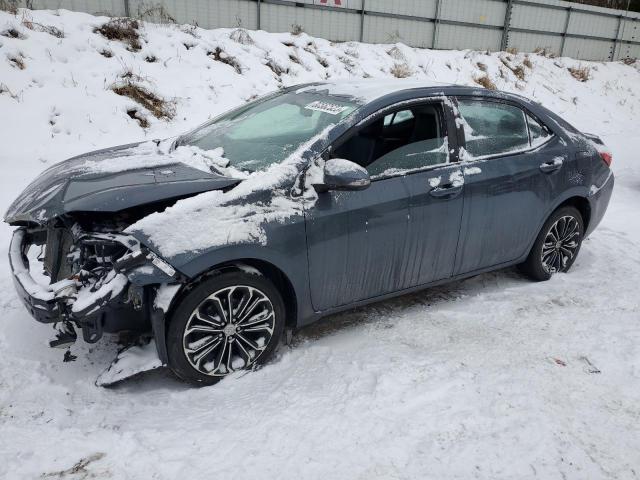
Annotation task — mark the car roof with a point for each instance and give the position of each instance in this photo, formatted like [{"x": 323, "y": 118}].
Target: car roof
[{"x": 365, "y": 91}]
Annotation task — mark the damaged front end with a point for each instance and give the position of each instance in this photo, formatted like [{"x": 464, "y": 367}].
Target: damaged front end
[{"x": 95, "y": 281}]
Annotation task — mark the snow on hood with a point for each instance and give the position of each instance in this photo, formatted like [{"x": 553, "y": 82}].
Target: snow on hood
[
  {"x": 155, "y": 154},
  {"x": 99, "y": 181},
  {"x": 237, "y": 216}
]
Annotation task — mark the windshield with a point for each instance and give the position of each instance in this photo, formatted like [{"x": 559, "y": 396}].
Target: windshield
[{"x": 268, "y": 131}]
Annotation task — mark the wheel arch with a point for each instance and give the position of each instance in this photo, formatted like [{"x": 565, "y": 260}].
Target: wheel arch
[
  {"x": 581, "y": 204},
  {"x": 250, "y": 265},
  {"x": 574, "y": 199}
]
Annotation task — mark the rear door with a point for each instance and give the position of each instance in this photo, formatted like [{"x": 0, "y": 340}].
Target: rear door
[{"x": 510, "y": 168}]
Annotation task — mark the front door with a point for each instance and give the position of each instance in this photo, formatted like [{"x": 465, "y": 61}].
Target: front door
[{"x": 400, "y": 232}]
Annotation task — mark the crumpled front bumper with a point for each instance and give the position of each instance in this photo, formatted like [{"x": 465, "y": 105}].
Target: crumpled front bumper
[
  {"x": 63, "y": 300},
  {"x": 40, "y": 301}
]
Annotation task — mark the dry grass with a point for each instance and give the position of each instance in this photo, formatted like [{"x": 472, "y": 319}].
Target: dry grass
[
  {"x": 4, "y": 89},
  {"x": 396, "y": 54},
  {"x": 348, "y": 63},
  {"x": 629, "y": 61},
  {"x": 401, "y": 70},
  {"x": 241, "y": 36},
  {"x": 106, "y": 53},
  {"x": 313, "y": 50},
  {"x": 156, "y": 13},
  {"x": 28, "y": 22},
  {"x": 9, "y": 6},
  {"x": 545, "y": 52},
  {"x": 130, "y": 86},
  {"x": 13, "y": 33},
  {"x": 481, "y": 66},
  {"x": 527, "y": 63},
  {"x": 150, "y": 59},
  {"x": 512, "y": 50},
  {"x": 138, "y": 117},
  {"x": 582, "y": 74},
  {"x": 275, "y": 68},
  {"x": 190, "y": 30},
  {"x": 79, "y": 469},
  {"x": 518, "y": 70},
  {"x": 486, "y": 82},
  {"x": 220, "y": 55},
  {"x": 38, "y": 27},
  {"x": 294, "y": 59},
  {"x": 122, "y": 29},
  {"x": 297, "y": 29},
  {"x": 17, "y": 61}
]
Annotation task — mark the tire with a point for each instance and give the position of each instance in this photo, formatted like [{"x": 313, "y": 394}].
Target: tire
[
  {"x": 565, "y": 223},
  {"x": 206, "y": 347}
]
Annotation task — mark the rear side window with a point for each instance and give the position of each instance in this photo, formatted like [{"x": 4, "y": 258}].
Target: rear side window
[
  {"x": 492, "y": 128},
  {"x": 538, "y": 132}
]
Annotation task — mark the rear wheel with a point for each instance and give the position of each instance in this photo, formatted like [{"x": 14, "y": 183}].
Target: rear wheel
[
  {"x": 557, "y": 245},
  {"x": 229, "y": 322}
]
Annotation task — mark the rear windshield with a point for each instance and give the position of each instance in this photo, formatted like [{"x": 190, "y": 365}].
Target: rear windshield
[{"x": 265, "y": 132}]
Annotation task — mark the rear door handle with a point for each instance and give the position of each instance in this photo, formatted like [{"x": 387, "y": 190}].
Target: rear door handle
[
  {"x": 449, "y": 191},
  {"x": 552, "y": 166}
]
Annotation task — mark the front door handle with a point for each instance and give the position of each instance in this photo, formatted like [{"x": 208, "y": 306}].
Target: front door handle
[
  {"x": 552, "y": 166},
  {"x": 448, "y": 191}
]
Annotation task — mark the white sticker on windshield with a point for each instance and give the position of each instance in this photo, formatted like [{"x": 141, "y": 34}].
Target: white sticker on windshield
[{"x": 326, "y": 107}]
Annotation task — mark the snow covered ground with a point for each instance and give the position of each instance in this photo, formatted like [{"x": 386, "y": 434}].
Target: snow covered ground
[{"x": 493, "y": 377}]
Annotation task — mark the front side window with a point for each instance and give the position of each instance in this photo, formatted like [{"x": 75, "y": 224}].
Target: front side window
[
  {"x": 492, "y": 128},
  {"x": 403, "y": 141},
  {"x": 268, "y": 131}
]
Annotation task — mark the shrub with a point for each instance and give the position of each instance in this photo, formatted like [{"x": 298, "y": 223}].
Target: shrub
[
  {"x": 582, "y": 74},
  {"x": 240, "y": 35},
  {"x": 220, "y": 55},
  {"x": 122, "y": 29},
  {"x": 130, "y": 86},
  {"x": 486, "y": 82},
  {"x": 17, "y": 61},
  {"x": 401, "y": 70},
  {"x": 13, "y": 33}
]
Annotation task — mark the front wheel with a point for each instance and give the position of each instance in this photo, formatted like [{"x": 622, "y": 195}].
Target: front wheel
[
  {"x": 557, "y": 245},
  {"x": 232, "y": 321}
]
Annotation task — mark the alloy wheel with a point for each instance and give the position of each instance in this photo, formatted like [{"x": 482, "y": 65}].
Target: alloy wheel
[
  {"x": 560, "y": 244},
  {"x": 229, "y": 330}
]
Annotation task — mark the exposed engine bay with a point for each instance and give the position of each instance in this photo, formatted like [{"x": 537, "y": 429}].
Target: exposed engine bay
[{"x": 77, "y": 273}]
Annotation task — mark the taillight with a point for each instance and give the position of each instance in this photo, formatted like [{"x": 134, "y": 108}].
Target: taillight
[{"x": 606, "y": 157}]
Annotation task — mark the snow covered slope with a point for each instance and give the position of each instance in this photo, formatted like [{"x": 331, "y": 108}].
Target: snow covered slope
[{"x": 493, "y": 377}]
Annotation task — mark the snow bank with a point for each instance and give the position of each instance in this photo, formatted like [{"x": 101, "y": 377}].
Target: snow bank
[
  {"x": 489, "y": 378},
  {"x": 62, "y": 102}
]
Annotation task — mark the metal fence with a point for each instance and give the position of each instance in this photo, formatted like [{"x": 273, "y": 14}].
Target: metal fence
[{"x": 562, "y": 28}]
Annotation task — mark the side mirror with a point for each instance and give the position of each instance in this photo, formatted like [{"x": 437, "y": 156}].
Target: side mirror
[{"x": 340, "y": 174}]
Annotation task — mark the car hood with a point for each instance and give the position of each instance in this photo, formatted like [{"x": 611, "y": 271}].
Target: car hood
[{"x": 111, "y": 180}]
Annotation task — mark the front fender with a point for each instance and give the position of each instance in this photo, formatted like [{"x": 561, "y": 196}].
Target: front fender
[{"x": 285, "y": 249}]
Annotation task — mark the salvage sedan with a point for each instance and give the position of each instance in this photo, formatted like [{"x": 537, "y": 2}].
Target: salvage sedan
[{"x": 308, "y": 201}]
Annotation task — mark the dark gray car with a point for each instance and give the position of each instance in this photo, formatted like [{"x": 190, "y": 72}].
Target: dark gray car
[{"x": 315, "y": 199}]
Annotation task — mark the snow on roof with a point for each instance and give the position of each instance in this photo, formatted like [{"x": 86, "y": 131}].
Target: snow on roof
[{"x": 368, "y": 90}]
